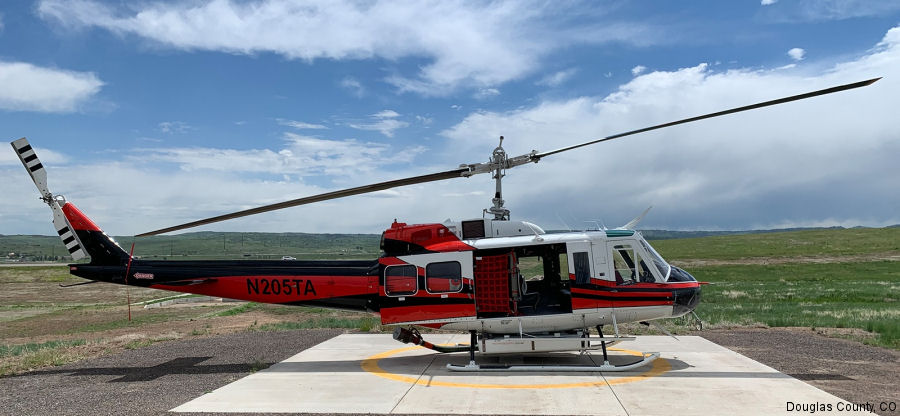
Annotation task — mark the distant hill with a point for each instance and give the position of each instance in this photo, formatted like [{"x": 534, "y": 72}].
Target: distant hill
[
  {"x": 235, "y": 245},
  {"x": 210, "y": 245},
  {"x": 667, "y": 234}
]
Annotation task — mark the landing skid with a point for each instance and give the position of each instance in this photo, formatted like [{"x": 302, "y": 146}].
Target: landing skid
[
  {"x": 606, "y": 366},
  {"x": 508, "y": 345}
]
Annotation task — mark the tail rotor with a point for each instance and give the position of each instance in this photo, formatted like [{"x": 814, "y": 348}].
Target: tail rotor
[{"x": 56, "y": 202}]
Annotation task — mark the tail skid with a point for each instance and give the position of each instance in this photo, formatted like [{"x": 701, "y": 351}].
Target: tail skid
[{"x": 79, "y": 234}]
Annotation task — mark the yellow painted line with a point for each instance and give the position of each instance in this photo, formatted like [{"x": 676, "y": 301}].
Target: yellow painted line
[{"x": 370, "y": 364}]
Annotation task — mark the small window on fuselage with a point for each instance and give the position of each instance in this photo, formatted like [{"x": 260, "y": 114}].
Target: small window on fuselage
[
  {"x": 443, "y": 277},
  {"x": 582, "y": 267},
  {"x": 401, "y": 280}
]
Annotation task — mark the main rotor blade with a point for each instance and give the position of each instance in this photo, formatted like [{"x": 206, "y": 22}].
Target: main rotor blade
[
  {"x": 472, "y": 169},
  {"x": 455, "y": 173},
  {"x": 851, "y": 86}
]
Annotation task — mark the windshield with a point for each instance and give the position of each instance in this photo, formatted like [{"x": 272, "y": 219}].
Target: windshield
[{"x": 661, "y": 264}]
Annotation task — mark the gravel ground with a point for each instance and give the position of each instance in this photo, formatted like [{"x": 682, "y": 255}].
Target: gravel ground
[
  {"x": 154, "y": 379},
  {"x": 850, "y": 370}
]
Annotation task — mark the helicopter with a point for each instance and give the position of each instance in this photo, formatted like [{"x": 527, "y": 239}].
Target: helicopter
[{"x": 514, "y": 287}]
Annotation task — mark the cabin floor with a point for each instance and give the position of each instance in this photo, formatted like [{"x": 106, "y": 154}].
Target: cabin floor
[{"x": 694, "y": 376}]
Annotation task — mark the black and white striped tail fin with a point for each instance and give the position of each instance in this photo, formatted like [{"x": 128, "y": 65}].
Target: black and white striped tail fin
[{"x": 39, "y": 175}]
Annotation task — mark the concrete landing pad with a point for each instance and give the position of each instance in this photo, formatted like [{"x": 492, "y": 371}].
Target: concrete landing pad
[{"x": 364, "y": 373}]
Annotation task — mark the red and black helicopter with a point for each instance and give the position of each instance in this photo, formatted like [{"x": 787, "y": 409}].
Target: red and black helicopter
[{"x": 514, "y": 287}]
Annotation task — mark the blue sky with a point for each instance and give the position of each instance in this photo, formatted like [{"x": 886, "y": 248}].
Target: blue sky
[{"x": 151, "y": 113}]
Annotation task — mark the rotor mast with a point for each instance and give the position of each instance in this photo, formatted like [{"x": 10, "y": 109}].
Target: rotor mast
[
  {"x": 497, "y": 165},
  {"x": 498, "y": 158}
]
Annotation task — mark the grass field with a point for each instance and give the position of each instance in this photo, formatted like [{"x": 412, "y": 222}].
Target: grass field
[
  {"x": 42, "y": 324},
  {"x": 815, "y": 278},
  {"x": 821, "y": 279},
  {"x": 777, "y": 245},
  {"x": 834, "y": 295}
]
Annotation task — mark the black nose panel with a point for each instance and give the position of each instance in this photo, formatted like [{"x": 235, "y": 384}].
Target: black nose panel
[{"x": 685, "y": 300}]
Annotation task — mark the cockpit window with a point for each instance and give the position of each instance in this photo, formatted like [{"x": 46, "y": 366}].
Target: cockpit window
[
  {"x": 661, "y": 264},
  {"x": 624, "y": 265},
  {"x": 630, "y": 267}
]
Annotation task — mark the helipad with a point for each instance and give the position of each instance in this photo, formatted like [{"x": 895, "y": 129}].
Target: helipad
[{"x": 375, "y": 374}]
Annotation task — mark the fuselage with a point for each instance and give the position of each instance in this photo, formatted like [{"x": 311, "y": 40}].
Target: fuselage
[{"x": 492, "y": 277}]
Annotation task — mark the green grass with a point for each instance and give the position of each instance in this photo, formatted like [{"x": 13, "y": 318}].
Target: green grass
[
  {"x": 37, "y": 274},
  {"x": 138, "y": 319},
  {"x": 831, "y": 242},
  {"x": 247, "y": 307},
  {"x": 363, "y": 324},
  {"x": 836, "y": 295},
  {"x": 20, "y": 349}
]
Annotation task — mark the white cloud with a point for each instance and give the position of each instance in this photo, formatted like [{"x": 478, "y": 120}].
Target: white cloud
[
  {"x": 386, "y": 114},
  {"x": 768, "y": 2},
  {"x": 172, "y": 127},
  {"x": 557, "y": 78},
  {"x": 301, "y": 155},
  {"x": 384, "y": 121},
  {"x": 27, "y": 87},
  {"x": 465, "y": 45},
  {"x": 824, "y": 10},
  {"x": 638, "y": 70},
  {"x": 300, "y": 125},
  {"x": 212, "y": 181},
  {"x": 823, "y": 160},
  {"x": 486, "y": 93},
  {"x": 796, "y": 54},
  {"x": 354, "y": 86}
]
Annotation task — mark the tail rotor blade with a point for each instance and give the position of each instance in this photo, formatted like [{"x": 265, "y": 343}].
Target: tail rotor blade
[
  {"x": 66, "y": 233},
  {"x": 32, "y": 165}
]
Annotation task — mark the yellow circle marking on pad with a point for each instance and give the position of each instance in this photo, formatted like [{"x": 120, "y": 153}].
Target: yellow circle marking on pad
[{"x": 659, "y": 366}]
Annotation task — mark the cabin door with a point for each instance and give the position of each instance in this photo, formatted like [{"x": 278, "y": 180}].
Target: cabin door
[{"x": 492, "y": 283}]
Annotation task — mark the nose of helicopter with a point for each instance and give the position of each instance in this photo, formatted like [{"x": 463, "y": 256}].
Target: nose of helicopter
[{"x": 685, "y": 299}]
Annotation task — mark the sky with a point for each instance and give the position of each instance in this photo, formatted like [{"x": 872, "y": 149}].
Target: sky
[{"x": 148, "y": 114}]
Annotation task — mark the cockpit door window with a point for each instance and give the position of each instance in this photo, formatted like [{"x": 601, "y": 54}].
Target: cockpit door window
[{"x": 629, "y": 265}]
